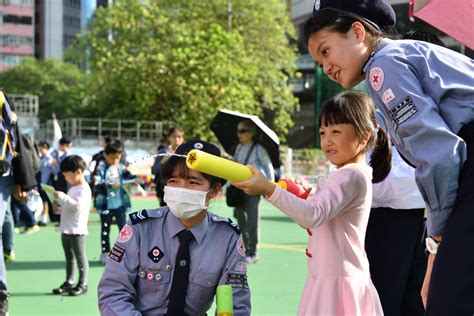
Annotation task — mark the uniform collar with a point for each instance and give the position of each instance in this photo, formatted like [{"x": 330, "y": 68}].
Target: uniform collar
[
  {"x": 381, "y": 44},
  {"x": 198, "y": 231}
]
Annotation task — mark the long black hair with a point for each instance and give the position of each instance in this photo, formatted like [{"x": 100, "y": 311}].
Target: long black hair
[{"x": 358, "y": 109}]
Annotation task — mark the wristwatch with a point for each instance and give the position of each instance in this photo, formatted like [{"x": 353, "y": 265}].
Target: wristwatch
[{"x": 431, "y": 245}]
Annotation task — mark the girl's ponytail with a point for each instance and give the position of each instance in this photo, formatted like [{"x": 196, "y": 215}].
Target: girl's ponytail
[{"x": 381, "y": 157}]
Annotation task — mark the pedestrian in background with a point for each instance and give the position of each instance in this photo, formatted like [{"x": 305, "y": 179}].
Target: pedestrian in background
[
  {"x": 111, "y": 198},
  {"x": 74, "y": 208},
  {"x": 250, "y": 152},
  {"x": 175, "y": 137}
]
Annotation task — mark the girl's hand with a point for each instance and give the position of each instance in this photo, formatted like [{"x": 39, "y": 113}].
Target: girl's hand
[{"x": 256, "y": 185}]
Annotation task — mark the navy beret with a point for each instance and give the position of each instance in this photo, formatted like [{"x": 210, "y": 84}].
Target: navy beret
[
  {"x": 201, "y": 145},
  {"x": 377, "y": 12}
]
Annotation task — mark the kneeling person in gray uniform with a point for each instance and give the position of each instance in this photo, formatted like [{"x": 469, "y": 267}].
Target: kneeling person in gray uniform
[{"x": 169, "y": 261}]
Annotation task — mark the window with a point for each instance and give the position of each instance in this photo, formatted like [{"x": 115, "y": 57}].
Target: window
[
  {"x": 10, "y": 59},
  {"x": 15, "y": 19},
  {"x": 14, "y": 40}
]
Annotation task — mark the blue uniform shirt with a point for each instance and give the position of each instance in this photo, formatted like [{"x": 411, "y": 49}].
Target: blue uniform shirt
[
  {"x": 139, "y": 271},
  {"x": 425, "y": 93}
]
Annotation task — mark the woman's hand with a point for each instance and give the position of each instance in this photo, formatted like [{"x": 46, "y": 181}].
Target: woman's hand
[
  {"x": 426, "y": 281},
  {"x": 256, "y": 185}
]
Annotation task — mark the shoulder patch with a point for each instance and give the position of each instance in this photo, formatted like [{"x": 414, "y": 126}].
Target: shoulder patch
[
  {"x": 376, "y": 77},
  {"x": 138, "y": 217},
  {"x": 226, "y": 220},
  {"x": 143, "y": 215},
  {"x": 234, "y": 226}
]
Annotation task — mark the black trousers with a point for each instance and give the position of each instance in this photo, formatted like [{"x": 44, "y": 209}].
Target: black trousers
[
  {"x": 451, "y": 289},
  {"x": 395, "y": 248}
]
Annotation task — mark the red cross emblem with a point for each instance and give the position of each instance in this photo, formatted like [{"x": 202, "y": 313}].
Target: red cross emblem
[
  {"x": 125, "y": 234},
  {"x": 376, "y": 78}
]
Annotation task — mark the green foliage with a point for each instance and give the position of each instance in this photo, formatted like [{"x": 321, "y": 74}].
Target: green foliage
[
  {"x": 178, "y": 61},
  {"x": 60, "y": 86}
]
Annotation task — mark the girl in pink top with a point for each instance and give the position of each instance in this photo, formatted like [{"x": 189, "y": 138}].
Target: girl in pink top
[{"x": 336, "y": 216}]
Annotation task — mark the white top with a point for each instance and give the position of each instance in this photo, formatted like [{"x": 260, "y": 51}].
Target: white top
[
  {"x": 398, "y": 190},
  {"x": 336, "y": 217},
  {"x": 75, "y": 208}
]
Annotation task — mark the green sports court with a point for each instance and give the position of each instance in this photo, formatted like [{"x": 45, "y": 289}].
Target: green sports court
[{"x": 276, "y": 281}]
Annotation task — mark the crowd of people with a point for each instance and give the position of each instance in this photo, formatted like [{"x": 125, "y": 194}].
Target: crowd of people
[{"x": 401, "y": 152}]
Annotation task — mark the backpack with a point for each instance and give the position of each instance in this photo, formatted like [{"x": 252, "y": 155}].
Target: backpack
[{"x": 7, "y": 135}]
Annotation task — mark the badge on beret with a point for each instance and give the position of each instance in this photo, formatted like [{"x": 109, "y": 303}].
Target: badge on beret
[
  {"x": 198, "y": 146},
  {"x": 125, "y": 234},
  {"x": 317, "y": 5},
  {"x": 155, "y": 254},
  {"x": 376, "y": 77}
]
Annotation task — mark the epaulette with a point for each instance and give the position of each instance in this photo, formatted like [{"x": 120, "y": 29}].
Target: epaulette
[
  {"x": 143, "y": 215},
  {"x": 228, "y": 221}
]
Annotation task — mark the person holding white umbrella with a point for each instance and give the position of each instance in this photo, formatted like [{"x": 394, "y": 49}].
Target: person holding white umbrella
[{"x": 249, "y": 152}]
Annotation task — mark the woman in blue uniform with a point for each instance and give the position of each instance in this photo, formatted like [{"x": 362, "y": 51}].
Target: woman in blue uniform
[
  {"x": 170, "y": 260},
  {"x": 426, "y": 95}
]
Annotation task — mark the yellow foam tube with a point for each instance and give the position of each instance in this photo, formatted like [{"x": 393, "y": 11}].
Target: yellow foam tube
[
  {"x": 222, "y": 168},
  {"x": 217, "y": 166}
]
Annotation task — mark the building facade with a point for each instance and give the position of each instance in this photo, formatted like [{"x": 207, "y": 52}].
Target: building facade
[
  {"x": 58, "y": 23},
  {"x": 16, "y": 31}
]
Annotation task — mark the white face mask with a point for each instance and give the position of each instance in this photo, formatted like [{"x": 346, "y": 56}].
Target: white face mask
[{"x": 185, "y": 203}]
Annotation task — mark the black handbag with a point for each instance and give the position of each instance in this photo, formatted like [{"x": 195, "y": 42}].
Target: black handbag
[{"x": 234, "y": 196}]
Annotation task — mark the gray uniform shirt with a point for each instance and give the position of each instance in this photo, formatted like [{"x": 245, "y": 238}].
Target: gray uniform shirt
[
  {"x": 425, "y": 93},
  {"x": 139, "y": 271}
]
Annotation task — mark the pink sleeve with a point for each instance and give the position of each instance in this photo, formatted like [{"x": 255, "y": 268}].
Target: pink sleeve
[{"x": 342, "y": 187}]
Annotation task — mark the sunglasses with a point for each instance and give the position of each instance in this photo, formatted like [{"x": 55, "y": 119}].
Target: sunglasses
[{"x": 242, "y": 131}]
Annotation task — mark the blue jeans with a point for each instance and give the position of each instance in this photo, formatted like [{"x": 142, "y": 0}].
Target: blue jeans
[
  {"x": 8, "y": 233},
  {"x": 6, "y": 188},
  {"x": 21, "y": 211}
]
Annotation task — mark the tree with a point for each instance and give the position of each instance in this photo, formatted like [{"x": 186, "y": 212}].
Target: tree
[
  {"x": 178, "y": 61},
  {"x": 60, "y": 86}
]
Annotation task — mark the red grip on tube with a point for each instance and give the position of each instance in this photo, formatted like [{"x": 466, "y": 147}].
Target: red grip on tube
[{"x": 294, "y": 188}]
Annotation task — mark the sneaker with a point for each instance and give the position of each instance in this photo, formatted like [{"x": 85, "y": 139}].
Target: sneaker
[
  {"x": 31, "y": 230},
  {"x": 103, "y": 257},
  {"x": 78, "y": 290},
  {"x": 42, "y": 224},
  {"x": 65, "y": 287},
  {"x": 252, "y": 259},
  {"x": 9, "y": 256},
  {"x": 17, "y": 230},
  {"x": 4, "y": 302}
]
